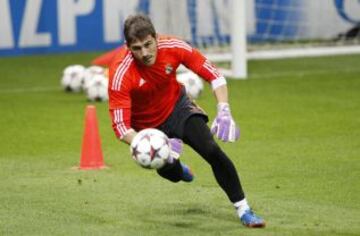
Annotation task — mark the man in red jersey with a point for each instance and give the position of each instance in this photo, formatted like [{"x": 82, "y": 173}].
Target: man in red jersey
[{"x": 144, "y": 93}]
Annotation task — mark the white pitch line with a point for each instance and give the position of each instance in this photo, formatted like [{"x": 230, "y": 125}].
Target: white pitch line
[
  {"x": 263, "y": 75},
  {"x": 297, "y": 73},
  {"x": 300, "y": 74},
  {"x": 29, "y": 90}
]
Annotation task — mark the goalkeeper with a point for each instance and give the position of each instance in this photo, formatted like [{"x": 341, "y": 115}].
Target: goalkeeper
[{"x": 144, "y": 93}]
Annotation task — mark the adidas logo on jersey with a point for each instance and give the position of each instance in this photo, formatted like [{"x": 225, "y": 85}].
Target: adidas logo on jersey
[{"x": 141, "y": 82}]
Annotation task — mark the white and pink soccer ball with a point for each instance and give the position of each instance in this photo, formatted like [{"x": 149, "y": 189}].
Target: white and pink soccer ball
[
  {"x": 97, "y": 88},
  {"x": 192, "y": 82},
  {"x": 89, "y": 73},
  {"x": 150, "y": 148},
  {"x": 72, "y": 78}
]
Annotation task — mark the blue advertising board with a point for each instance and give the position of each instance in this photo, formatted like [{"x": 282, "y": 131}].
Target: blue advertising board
[
  {"x": 49, "y": 26},
  {"x": 53, "y": 26}
]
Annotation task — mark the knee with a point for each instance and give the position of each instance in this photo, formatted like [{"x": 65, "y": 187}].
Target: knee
[{"x": 213, "y": 152}]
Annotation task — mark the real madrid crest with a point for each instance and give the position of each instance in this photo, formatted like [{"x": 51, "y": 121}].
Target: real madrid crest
[{"x": 168, "y": 69}]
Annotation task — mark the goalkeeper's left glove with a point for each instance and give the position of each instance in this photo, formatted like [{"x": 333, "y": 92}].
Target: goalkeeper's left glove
[{"x": 224, "y": 126}]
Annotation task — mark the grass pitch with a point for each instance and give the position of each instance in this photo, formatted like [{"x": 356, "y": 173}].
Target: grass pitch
[{"x": 298, "y": 157}]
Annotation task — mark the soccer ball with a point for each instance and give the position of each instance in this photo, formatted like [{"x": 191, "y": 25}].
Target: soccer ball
[
  {"x": 150, "y": 148},
  {"x": 89, "y": 74},
  {"x": 72, "y": 78},
  {"x": 97, "y": 88},
  {"x": 193, "y": 84}
]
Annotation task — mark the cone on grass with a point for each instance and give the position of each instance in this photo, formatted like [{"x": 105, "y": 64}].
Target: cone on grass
[{"x": 91, "y": 153}]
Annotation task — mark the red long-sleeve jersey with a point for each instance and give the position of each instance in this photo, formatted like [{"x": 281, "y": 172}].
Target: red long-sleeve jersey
[{"x": 144, "y": 96}]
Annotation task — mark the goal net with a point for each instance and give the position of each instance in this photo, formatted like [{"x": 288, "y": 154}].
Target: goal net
[{"x": 239, "y": 30}]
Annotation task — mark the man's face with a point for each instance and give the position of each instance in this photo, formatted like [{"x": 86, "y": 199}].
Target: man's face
[{"x": 144, "y": 51}]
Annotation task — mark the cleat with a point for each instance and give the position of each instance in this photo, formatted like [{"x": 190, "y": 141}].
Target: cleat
[
  {"x": 187, "y": 175},
  {"x": 251, "y": 220}
]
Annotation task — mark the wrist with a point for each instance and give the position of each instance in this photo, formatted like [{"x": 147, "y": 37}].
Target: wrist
[{"x": 223, "y": 107}]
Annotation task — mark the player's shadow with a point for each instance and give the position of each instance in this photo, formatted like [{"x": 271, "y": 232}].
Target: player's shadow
[{"x": 195, "y": 217}]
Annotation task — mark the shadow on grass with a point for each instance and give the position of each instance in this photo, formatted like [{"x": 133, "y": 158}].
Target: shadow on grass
[{"x": 195, "y": 218}]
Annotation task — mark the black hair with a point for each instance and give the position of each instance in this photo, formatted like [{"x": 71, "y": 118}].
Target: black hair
[{"x": 137, "y": 27}]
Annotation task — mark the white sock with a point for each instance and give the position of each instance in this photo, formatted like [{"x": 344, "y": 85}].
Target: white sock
[{"x": 241, "y": 207}]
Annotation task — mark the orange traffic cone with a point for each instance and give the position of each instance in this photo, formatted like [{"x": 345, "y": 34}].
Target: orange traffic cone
[{"x": 91, "y": 154}]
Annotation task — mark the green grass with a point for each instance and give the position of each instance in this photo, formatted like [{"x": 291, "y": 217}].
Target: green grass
[{"x": 298, "y": 157}]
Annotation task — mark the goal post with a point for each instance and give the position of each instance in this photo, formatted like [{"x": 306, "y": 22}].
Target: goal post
[
  {"x": 238, "y": 40},
  {"x": 235, "y": 31},
  {"x": 289, "y": 29}
]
